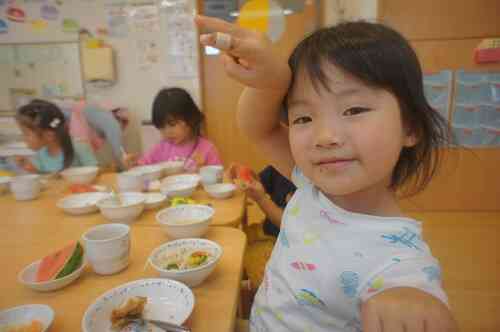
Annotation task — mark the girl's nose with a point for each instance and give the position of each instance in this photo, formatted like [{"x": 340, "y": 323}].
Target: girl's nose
[{"x": 329, "y": 133}]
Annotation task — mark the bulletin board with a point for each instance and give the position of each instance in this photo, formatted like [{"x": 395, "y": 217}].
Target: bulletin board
[
  {"x": 154, "y": 43},
  {"x": 41, "y": 70}
]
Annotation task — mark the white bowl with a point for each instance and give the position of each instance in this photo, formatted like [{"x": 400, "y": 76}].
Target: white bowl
[
  {"x": 211, "y": 174},
  {"x": 180, "y": 248},
  {"x": 26, "y": 187},
  {"x": 25, "y": 314},
  {"x": 172, "y": 167},
  {"x": 130, "y": 181},
  {"x": 168, "y": 300},
  {"x": 124, "y": 208},
  {"x": 81, "y": 203},
  {"x": 4, "y": 183},
  {"x": 27, "y": 277},
  {"x": 154, "y": 200},
  {"x": 179, "y": 185},
  {"x": 220, "y": 190},
  {"x": 185, "y": 221},
  {"x": 148, "y": 172},
  {"x": 182, "y": 178},
  {"x": 180, "y": 189},
  {"x": 80, "y": 175}
]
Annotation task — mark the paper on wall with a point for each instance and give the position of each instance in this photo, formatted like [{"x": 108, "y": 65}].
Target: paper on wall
[
  {"x": 145, "y": 19},
  {"x": 148, "y": 53}
]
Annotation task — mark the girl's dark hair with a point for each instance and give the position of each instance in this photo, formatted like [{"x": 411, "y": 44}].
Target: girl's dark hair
[
  {"x": 40, "y": 115},
  {"x": 173, "y": 104},
  {"x": 382, "y": 58}
]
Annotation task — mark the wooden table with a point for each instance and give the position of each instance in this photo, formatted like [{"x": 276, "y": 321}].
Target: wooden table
[
  {"x": 228, "y": 212},
  {"x": 467, "y": 245},
  {"x": 33, "y": 229}
]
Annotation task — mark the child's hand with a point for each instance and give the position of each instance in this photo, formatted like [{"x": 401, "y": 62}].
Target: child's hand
[
  {"x": 406, "y": 309},
  {"x": 197, "y": 157},
  {"x": 232, "y": 172},
  {"x": 255, "y": 190},
  {"x": 248, "y": 55},
  {"x": 129, "y": 160},
  {"x": 25, "y": 164}
]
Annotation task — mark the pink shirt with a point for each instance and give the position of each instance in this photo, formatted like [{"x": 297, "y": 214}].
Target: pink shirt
[{"x": 166, "y": 151}]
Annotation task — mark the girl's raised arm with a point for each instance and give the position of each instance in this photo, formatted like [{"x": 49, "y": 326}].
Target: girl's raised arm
[{"x": 248, "y": 58}]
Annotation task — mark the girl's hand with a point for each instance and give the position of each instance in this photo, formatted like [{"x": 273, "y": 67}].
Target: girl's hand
[
  {"x": 197, "y": 157},
  {"x": 129, "y": 160},
  {"x": 248, "y": 56},
  {"x": 232, "y": 172},
  {"x": 406, "y": 310},
  {"x": 254, "y": 190},
  {"x": 25, "y": 164}
]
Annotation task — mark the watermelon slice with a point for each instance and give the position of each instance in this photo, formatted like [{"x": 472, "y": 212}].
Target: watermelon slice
[
  {"x": 245, "y": 174},
  {"x": 60, "y": 263}
]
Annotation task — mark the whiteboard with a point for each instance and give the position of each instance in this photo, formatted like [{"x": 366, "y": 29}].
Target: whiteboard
[{"x": 45, "y": 70}]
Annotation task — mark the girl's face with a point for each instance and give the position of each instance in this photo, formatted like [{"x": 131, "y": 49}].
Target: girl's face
[
  {"x": 177, "y": 132},
  {"x": 347, "y": 140},
  {"x": 33, "y": 139}
]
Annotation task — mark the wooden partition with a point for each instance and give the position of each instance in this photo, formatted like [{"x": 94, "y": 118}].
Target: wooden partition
[{"x": 444, "y": 34}]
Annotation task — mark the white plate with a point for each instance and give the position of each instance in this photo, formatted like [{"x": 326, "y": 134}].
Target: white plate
[
  {"x": 168, "y": 300},
  {"x": 84, "y": 203},
  {"x": 26, "y": 313}
]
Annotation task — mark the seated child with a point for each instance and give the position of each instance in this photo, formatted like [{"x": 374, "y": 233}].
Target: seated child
[
  {"x": 271, "y": 191},
  {"x": 44, "y": 130},
  {"x": 179, "y": 121}
]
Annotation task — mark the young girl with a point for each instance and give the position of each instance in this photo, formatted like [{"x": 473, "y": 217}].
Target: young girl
[
  {"x": 179, "y": 121},
  {"x": 359, "y": 128},
  {"x": 44, "y": 130}
]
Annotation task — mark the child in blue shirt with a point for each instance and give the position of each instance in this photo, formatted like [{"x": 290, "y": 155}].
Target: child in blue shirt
[{"x": 44, "y": 130}]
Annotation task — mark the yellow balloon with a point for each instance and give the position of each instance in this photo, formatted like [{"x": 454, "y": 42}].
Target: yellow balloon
[{"x": 255, "y": 15}]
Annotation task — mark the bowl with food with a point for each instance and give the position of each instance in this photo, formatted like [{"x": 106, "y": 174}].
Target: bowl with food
[
  {"x": 122, "y": 207},
  {"x": 186, "y": 220},
  {"x": 80, "y": 175},
  {"x": 189, "y": 261},
  {"x": 121, "y": 308},
  {"x": 30, "y": 317},
  {"x": 56, "y": 270}
]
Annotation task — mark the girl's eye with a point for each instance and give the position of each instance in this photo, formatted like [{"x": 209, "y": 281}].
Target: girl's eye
[
  {"x": 301, "y": 120},
  {"x": 355, "y": 110}
]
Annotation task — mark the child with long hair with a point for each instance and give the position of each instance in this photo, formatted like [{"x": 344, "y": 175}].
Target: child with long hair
[
  {"x": 44, "y": 130},
  {"x": 357, "y": 129},
  {"x": 179, "y": 121}
]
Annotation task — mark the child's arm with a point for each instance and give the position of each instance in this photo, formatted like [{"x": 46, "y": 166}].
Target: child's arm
[
  {"x": 406, "y": 309},
  {"x": 405, "y": 293},
  {"x": 252, "y": 62},
  {"x": 273, "y": 212}
]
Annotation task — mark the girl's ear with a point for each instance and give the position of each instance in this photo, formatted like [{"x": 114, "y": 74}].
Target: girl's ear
[{"x": 411, "y": 138}]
